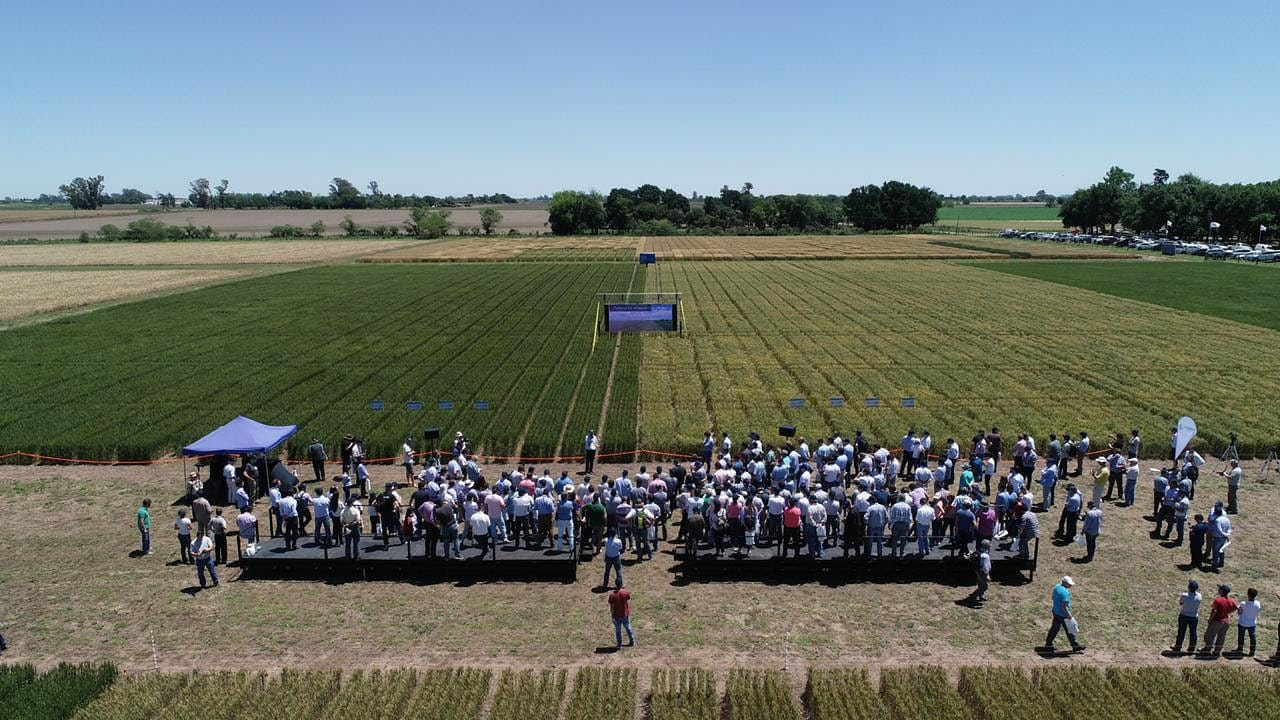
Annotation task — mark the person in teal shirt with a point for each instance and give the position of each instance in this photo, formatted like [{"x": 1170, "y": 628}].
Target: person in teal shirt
[
  {"x": 144, "y": 525},
  {"x": 1062, "y": 614}
]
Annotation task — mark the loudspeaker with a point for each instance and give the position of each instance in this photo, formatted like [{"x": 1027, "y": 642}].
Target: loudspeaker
[
  {"x": 787, "y": 430},
  {"x": 431, "y": 433}
]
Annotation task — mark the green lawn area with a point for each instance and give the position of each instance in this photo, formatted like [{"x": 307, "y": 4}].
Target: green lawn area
[
  {"x": 1235, "y": 291},
  {"x": 1026, "y": 211}
]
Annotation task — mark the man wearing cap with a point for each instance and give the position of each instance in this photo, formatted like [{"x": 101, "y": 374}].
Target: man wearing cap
[
  {"x": 315, "y": 451},
  {"x": 1188, "y": 617},
  {"x": 1061, "y": 614},
  {"x": 1219, "y": 621}
]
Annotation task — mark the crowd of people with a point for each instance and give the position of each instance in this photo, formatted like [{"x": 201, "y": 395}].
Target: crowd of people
[{"x": 846, "y": 496}]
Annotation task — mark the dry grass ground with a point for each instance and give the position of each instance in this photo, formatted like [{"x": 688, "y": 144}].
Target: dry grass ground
[
  {"x": 21, "y": 215},
  {"x": 221, "y": 252},
  {"x": 43, "y": 291},
  {"x": 72, "y": 591},
  {"x": 525, "y": 219}
]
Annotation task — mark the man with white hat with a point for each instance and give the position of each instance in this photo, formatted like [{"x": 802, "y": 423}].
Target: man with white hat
[{"x": 1062, "y": 617}]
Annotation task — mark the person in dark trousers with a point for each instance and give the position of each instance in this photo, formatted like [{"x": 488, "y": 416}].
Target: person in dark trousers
[
  {"x": 347, "y": 451},
  {"x": 144, "y": 525},
  {"x": 590, "y": 445},
  {"x": 982, "y": 570},
  {"x": 315, "y": 451},
  {"x": 389, "y": 514},
  {"x": 1188, "y": 617},
  {"x": 1199, "y": 536},
  {"x": 219, "y": 527},
  {"x": 1061, "y": 615}
]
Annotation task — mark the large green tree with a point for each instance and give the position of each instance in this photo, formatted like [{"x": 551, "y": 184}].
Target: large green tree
[
  {"x": 201, "y": 195},
  {"x": 84, "y": 193},
  {"x": 572, "y": 212},
  {"x": 343, "y": 194}
]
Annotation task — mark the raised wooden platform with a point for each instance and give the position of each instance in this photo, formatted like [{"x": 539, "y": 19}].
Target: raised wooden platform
[{"x": 409, "y": 560}]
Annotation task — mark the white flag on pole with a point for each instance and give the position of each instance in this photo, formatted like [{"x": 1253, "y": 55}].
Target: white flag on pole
[
  {"x": 1168, "y": 223},
  {"x": 1214, "y": 225},
  {"x": 1262, "y": 228},
  {"x": 1186, "y": 431}
]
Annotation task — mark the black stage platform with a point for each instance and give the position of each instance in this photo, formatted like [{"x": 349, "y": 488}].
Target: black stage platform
[
  {"x": 764, "y": 561},
  {"x": 407, "y": 561}
]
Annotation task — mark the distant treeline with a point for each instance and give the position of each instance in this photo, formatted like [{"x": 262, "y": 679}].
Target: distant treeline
[
  {"x": 1184, "y": 207},
  {"x": 650, "y": 210}
]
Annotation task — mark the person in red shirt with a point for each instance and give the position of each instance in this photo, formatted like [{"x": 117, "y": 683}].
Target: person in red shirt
[
  {"x": 620, "y": 609},
  {"x": 791, "y": 520},
  {"x": 1219, "y": 621}
]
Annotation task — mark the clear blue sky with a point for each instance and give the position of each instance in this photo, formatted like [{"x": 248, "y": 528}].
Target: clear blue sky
[{"x": 530, "y": 97}]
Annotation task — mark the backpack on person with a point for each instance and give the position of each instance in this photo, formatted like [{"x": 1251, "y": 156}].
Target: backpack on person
[{"x": 386, "y": 503}]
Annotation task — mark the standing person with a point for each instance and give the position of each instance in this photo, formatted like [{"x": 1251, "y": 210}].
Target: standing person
[
  {"x": 1100, "y": 477},
  {"x": 590, "y": 446},
  {"x": 620, "y": 611},
  {"x": 1070, "y": 513},
  {"x": 792, "y": 518},
  {"x": 1219, "y": 621},
  {"x": 352, "y": 524},
  {"x": 347, "y": 451},
  {"x": 480, "y": 525},
  {"x": 287, "y": 507},
  {"x": 924, "y": 527},
  {"x": 1028, "y": 530},
  {"x": 144, "y": 525},
  {"x": 613, "y": 557},
  {"x": 201, "y": 512},
  {"x": 1092, "y": 529},
  {"x": 321, "y": 506},
  {"x": 202, "y": 551},
  {"x": 242, "y": 497},
  {"x": 564, "y": 524},
  {"x": 1248, "y": 623},
  {"x": 1082, "y": 452},
  {"x": 900, "y": 525},
  {"x": 876, "y": 516},
  {"x": 993, "y": 449},
  {"x": 982, "y": 570},
  {"x": 315, "y": 451},
  {"x": 1049, "y": 480},
  {"x": 219, "y": 526},
  {"x": 406, "y": 459},
  {"x": 447, "y": 519},
  {"x": 1062, "y": 614},
  {"x": 1188, "y": 617},
  {"x": 1131, "y": 482},
  {"x": 1199, "y": 534},
  {"x": 388, "y": 504},
  {"x": 183, "y": 526},
  {"x": 708, "y": 448},
  {"x": 1233, "y": 475},
  {"x": 1220, "y": 531},
  {"x": 1135, "y": 444},
  {"x": 247, "y": 524},
  {"x": 229, "y": 480}
]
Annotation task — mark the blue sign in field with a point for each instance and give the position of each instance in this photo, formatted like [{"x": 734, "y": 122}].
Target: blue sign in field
[
  {"x": 796, "y": 402},
  {"x": 375, "y": 405},
  {"x": 873, "y": 402},
  {"x": 836, "y": 402},
  {"x": 413, "y": 405},
  {"x": 907, "y": 402},
  {"x": 446, "y": 404},
  {"x": 482, "y": 405}
]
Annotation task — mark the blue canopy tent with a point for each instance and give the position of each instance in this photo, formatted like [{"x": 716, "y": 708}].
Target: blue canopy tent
[{"x": 242, "y": 436}]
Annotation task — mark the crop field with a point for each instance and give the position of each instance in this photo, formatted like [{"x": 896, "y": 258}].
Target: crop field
[
  {"x": 1232, "y": 291},
  {"x": 316, "y": 346},
  {"x": 25, "y": 213},
  {"x": 970, "y": 345},
  {"x": 221, "y": 252},
  {"x": 42, "y": 291},
  {"x": 911, "y": 693},
  {"x": 1034, "y": 249},
  {"x": 997, "y": 216},
  {"x": 801, "y": 247},
  {"x": 246, "y": 223},
  {"x": 595, "y": 248}
]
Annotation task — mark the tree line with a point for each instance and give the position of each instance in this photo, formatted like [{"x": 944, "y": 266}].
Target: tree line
[
  {"x": 90, "y": 194},
  {"x": 650, "y": 210},
  {"x": 1183, "y": 207}
]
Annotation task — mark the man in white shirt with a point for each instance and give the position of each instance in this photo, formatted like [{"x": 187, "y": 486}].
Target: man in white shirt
[
  {"x": 229, "y": 478},
  {"x": 924, "y": 526},
  {"x": 320, "y": 506},
  {"x": 590, "y": 446},
  {"x": 480, "y": 523},
  {"x": 202, "y": 551},
  {"x": 1248, "y": 623},
  {"x": 288, "y": 509},
  {"x": 273, "y": 497},
  {"x": 352, "y": 519}
]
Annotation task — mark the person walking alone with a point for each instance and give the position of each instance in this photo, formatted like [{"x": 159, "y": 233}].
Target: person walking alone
[
  {"x": 612, "y": 557},
  {"x": 202, "y": 551},
  {"x": 1092, "y": 529},
  {"x": 590, "y": 446},
  {"x": 1062, "y": 617},
  {"x": 1188, "y": 617},
  {"x": 1247, "y": 624},
  {"x": 620, "y": 611},
  {"x": 144, "y": 525},
  {"x": 315, "y": 451}
]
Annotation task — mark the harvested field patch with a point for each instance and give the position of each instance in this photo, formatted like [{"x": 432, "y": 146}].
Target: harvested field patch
[
  {"x": 596, "y": 248},
  {"x": 42, "y": 291},
  {"x": 805, "y": 247},
  {"x": 213, "y": 252}
]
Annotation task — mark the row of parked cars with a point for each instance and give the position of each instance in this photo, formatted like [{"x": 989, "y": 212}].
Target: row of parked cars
[{"x": 1260, "y": 252}]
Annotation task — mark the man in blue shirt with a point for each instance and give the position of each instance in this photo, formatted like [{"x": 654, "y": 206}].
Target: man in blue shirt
[
  {"x": 1061, "y": 614},
  {"x": 612, "y": 557},
  {"x": 1092, "y": 529},
  {"x": 564, "y": 521},
  {"x": 900, "y": 525}
]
